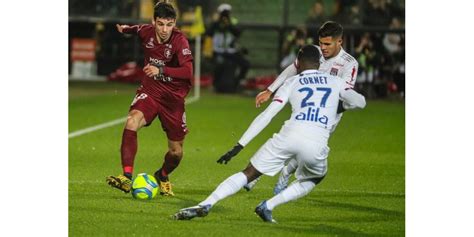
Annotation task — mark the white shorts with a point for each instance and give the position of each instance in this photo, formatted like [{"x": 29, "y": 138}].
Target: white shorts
[{"x": 311, "y": 155}]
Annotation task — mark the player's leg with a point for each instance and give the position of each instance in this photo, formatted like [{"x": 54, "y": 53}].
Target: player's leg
[
  {"x": 283, "y": 179},
  {"x": 143, "y": 111},
  {"x": 172, "y": 159},
  {"x": 312, "y": 168},
  {"x": 128, "y": 150},
  {"x": 285, "y": 175},
  {"x": 252, "y": 184},
  {"x": 268, "y": 160},
  {"x": 227, "y": 188},
  {"x": 173, "y": 122},
  {"x": 232, "y": 185},
  {"x": 295, "y": 191}
]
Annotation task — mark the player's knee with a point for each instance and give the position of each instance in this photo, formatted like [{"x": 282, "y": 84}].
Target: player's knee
[
  {"x": 317, "y": 180},
  {"x": 176, "y": 153},
  {"x": 251, "y": 173},
  {"x": 135, "y": 121},
  {"x": 132, "y": 123}
]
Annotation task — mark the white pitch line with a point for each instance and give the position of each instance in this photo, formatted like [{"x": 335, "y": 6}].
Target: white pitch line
[
  {"x": 97, "y": 127},
  {"x": 111, "y": 123}
]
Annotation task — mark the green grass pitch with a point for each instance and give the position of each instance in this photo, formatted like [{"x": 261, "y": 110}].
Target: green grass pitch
[{"x": 362, "y": 195}]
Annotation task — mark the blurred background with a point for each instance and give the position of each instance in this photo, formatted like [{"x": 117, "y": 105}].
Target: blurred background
[{"x": 266, "y": 35}]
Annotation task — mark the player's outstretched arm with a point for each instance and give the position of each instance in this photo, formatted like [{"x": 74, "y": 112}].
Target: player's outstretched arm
[
  {"x": 258, "y": 124},
  {"x": 121, "y": 27},
  {"x": 263, "y": 96}
]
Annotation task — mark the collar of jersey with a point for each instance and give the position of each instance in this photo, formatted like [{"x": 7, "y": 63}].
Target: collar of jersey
[
  {"x": 337, "y": 56},
  {"x": 311, "y": 71}
]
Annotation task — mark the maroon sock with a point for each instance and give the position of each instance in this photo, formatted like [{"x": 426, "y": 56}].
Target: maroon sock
[
  {"x": 128, "y": 150},
  {"x": 171, "y": 162}
]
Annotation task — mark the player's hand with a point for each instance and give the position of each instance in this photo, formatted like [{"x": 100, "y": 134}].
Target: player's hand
[
  {"x": 151, "y": 70},
  {"x": 121, "y": 27},
  {"x": 262, "y": 97},
  {"x": 228, "y": 156}
]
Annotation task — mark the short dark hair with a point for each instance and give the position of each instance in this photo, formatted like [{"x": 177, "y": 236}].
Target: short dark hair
[
  {"x": 309, "y": 54},
  {"x": 330, "y": 29},
  {"x": 164, "y": 10}
]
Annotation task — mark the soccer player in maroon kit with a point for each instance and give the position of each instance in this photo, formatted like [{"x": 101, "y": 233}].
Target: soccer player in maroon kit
[{"x": 169, "y": 70}]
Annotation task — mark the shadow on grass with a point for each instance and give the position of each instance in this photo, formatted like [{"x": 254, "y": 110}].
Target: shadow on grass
[
  {"x": 322, "y": 229},
  {"x": 359, "y": 194},
  {"x": 358, "y": 208}
]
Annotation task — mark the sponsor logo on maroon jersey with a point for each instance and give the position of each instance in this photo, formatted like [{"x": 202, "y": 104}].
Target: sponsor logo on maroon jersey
[
  {"x": 186, "y": 51},
  {"x": 156, "y": 61}
]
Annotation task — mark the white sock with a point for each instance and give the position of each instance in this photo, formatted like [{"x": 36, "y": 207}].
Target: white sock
[
  {"x": 294, "y": 191},
  {"x": 227, "y": 188},
  {"x": 290, "y": 168}
]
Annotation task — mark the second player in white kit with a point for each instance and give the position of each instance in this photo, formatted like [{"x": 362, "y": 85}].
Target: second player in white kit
[
  {"x": 314, "y": 97},
  {"x": 336, "y": 62}
]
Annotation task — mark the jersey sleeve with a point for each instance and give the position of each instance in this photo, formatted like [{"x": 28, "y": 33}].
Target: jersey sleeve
[
  {"x": 135, "y": 30},
  {"x": 132, "y": 30},
  {"x": 185, "y": 59},
  {"x": 349, "y": 74},
  {"x": 288, "y": 72},
  {"x": 352, "y": 99},
  {"x": 264, "y": 118},
  {"x": 183, "y": 51}
]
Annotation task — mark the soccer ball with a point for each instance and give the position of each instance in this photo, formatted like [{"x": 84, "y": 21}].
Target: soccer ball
[{"x": 144, "y": 186}]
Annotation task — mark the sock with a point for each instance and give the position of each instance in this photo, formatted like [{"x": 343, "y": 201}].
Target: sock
[
  {"x": 227, "y": 188},
  {"x": 170, "y": 163},
  {"x": 290, "y": 168},
  {"x": 128, "y": 150},
  {"x": 128, "y": 175},
  {"x": 294, "y": 191}
]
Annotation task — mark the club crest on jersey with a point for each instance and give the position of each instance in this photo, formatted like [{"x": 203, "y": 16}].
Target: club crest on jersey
[
  {"x": 334, "y": 71},
  {"x": 150, "y": 44},
  {"x": 167, "y": 53}
]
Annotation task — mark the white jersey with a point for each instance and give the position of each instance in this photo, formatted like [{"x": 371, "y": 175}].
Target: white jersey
[
  {"x": 342, "y": 65},
  {"x": 314, "y": 97}
]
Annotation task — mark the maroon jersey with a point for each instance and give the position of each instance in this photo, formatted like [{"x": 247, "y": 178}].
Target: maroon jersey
[{"x": 176, "y": 58}]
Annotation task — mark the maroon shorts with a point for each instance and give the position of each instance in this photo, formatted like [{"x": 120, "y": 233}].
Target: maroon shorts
[{"x": 171, "y": 115}]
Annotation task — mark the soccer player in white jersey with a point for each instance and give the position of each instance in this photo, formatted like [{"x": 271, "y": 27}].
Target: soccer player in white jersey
[
  {"x": 314, "y": 98},
  {"x": 336, "y": 62}
]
